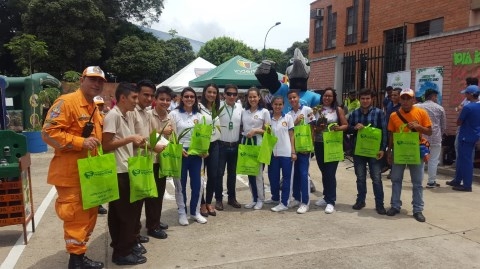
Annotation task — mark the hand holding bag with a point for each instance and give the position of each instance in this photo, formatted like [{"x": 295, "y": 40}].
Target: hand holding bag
[
  {"x": 98, "y": 179},
  {"x": 406, "y": 147},
  {"x": 303, "y": 137},
  {"x": 333, "y": 145},
  {"x": 368, "y": 142},
  {"x": 247, "y": 160},
  {"x": 266, "y": 148},
  {"x": 201, "y": 135},
  {"x": 170, "y": 159},
  {"x": 140, "y": 174}
]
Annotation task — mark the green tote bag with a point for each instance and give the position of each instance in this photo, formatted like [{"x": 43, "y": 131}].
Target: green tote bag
[
  {"x": 200, "y": 141},
  {"x": 247, "y": 159},
  {"x": 406, "y": 147},
  {"x": 266, "y": 148},
  {"x": 303, "y": 137},
  {"x": 98, "y": 179},
  {"x": 368, "y": 142},
  {"x": 140, "y": 174},
  {"x": 170, "y": 159},
  {"x": 332, "y": 145}
]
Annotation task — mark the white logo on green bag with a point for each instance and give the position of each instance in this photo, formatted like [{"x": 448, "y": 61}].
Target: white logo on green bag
[
  {"x": 90, "y": 174},
  {"x": 137, "y": 172}
]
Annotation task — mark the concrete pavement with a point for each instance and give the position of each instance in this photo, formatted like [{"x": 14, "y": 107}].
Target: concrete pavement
[{"x": 244, "y": 238}]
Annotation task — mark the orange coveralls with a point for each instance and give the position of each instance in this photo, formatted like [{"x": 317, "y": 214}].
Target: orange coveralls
[{"x": 62, "y": 130}]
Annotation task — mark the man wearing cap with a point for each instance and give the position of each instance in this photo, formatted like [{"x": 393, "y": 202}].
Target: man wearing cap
[
  {"x": 351, "y": 103},
  {"x": 417, "y": 120},
  {"x": 63, "y": 130},
  {"x": 469, "y": 133},
  {"x": 438, "y": 118}
]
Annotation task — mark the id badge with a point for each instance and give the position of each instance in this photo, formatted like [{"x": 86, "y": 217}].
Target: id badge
[{"x": 230, "y": 126}]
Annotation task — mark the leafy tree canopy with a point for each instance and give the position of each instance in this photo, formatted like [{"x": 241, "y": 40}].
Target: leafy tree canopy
[
  {"x": 222, "y": 49},
  {"x": 27, "y": 51}
]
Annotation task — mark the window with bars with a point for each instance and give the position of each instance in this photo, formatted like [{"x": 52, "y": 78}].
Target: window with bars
[
  {"x": 352, "y": 24},
  {"x": 349, "y": 72},
  {"x": 394, "y": 49},
  {"x": 331, "y": 28},
  {"x": 365, "y": 20},
  {"x": 318, "y": 35},
  {"x": 429, "y": 27}
]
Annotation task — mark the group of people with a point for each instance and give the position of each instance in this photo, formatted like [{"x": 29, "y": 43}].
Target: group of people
[{"x": 126, "y": 127}]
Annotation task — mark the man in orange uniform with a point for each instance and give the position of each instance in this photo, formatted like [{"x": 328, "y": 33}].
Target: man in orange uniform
[{"x": 67, "y": 131}]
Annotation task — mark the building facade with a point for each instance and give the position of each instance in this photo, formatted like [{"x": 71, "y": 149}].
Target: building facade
[{"x": 354, "y": 44}]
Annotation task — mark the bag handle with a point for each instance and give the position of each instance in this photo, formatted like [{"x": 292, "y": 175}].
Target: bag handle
[
  {"x": 402, "y": 128},
  {"x": 99, "y": 151},
  {"x": 248, "y": 140},
  {"x": 331, "y": 125},
  {"x": 403, "y": 119},
  {"x": 173, "y": 137}
]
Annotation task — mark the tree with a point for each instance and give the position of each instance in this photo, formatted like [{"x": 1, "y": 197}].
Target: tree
[
  {"x": 143, "y": 11},
  {"x": 303, "y": 46},
  {"x": 222, "y": 49},
  {"x": 179, "y": 53},
  {"x": 27, "y": 50},
  {"x": 274, "y": 55},
  {"x": 10, "y": 23},
  {"x": 134, "y": 59}
]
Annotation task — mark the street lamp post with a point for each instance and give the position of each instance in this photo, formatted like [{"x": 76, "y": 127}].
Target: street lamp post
[{"x": 265, "y": 41}]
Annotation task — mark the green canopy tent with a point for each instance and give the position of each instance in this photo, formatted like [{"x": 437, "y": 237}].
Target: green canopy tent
[{"x": 238, "y": 71}]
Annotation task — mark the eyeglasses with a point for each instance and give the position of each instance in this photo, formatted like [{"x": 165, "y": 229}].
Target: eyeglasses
[
  {"x": 189, "y": 96},
  {"x": 231, "y": 93}
]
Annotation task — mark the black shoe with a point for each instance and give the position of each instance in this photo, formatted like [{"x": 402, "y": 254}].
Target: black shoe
[
  {"x": 139, "y": 249},
  {"x": 76, "y": 261},
  {"x": 142, "y": 239},
  {"x": 432, "y": 185},
  {"x": 102, "y": 210},
  {"x": 358, "y": 205},
  {"x": 157, "y": 233},
  {"x": 419, "y": 216},
  {"x": 392, "y": 211},
  {"x": 89, "y": 264},
  {"x": 131, "y": 259},
  {"x": 163, "y": 226},
  {"x": 452, "y": 183},
  {"x": 385, "y": 169},
  {"x": 233, "y": 202},
  {"x": 461, "y": 188},
  {"x": 381, "y": 210}
]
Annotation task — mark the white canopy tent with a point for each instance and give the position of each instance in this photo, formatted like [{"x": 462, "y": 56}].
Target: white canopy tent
[{"x": 180, "y": 80}]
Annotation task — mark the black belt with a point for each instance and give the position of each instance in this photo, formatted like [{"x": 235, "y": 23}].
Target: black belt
[{"x": 229, "y": 144}]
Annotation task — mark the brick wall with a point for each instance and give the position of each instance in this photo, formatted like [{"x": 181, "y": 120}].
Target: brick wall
[{"x": 322, "y": 74}]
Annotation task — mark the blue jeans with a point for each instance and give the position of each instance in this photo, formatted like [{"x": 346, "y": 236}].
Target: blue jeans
[
  {"x": 328, "y": 171},
  {"x": 228, "y": 159},
  {"x": 301, "y": 184},
  {"x": 191, "y": 165},
  {"x": 416, "y": 173},
  {"x": 374, "y": 165},
  {"x": 214, "y": 177},
  {"x": 277, "y": 164},
  {"x": 464, "y": 171}
]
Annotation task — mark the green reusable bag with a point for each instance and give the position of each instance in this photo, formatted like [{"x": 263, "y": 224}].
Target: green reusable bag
[
  {"x": 170, "y": 159},
  {"x": 266, "y": 148},
  {"x": 332, "y": 145},
  {"x": 200, "y": 141},
  {"x": 140, "y": 174},
  {"x": 405, "y": 147},
  {"x": 303, "y": 137},
  {"x": 368, "y": 142},
  {"x": 247, "y": 160},
  {"x": 98, "y": 179}
]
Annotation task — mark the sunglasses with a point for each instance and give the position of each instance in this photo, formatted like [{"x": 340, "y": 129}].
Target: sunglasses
[
  {"x": 231, "y": 93},
  {"x": 189, "y": 96}
]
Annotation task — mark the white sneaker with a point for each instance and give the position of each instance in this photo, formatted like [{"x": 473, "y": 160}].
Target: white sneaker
[
  {"x": 270, "y": 201},
  {"x": 182, "y": 219},
  {"x": 329, "y": 209},
  {"x": 250, "y": 205},
  {"x": 302, "y": 209},
  {"x": 321, "y": 202},
  {"x": 258, "y": 205},
  {"x": 279, "y": 207},
  {"x": 199, "y": 218},
  {"x": 293, "y": 203}
]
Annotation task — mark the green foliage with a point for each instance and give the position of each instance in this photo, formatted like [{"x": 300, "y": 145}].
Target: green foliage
[
  {"x": 71, "y": 76},
  {"x": 27, "y": 51},
  {"x": 275, "y": 55},
  {"x": 303, "y": 46},
  {"x": 221, "y": 49},
  {"x": 47, "y": 96},
  {"x": 142, "y": 11}
]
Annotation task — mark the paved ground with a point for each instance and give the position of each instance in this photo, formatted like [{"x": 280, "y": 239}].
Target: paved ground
[{"x": 243, "y": 238}]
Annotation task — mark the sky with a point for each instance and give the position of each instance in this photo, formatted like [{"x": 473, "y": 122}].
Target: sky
[{"x": 245, "y": 20}]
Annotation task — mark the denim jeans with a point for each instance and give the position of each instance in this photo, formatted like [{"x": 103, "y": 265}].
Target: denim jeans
[
  {"x": 328, "y": 171},
  {"x": 375, "y": 166},
  {"x": 228, "y": 159},
  {"x": 214, "y": 177},
  {"x": 464, "y": 171},
  {"x": 191, "y": 165},
  {"x": 416, "y": 174},
  {"x": 301, "y": 184},
  {"x": 432, "y": 165},
  {"x": 277, "y": 164}
]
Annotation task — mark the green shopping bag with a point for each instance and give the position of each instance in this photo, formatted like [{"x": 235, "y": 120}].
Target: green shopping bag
[
  {"x": 332, "y": 145},
  {"x": 98, "y": 179},
  {"x": 368, "y": 141},
  {"x": 170, "y": 159},
  {"x": 247, "y": 161},
  {"x": 303, "y": 137},
  {"x": 405, "y": 147},
  {"x": 200, "y": 141},
  {"x": 266, "y": 148},
  {"x": 140, "y": 173}
]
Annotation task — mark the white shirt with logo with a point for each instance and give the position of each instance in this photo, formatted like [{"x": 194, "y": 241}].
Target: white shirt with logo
[{"x": 280, "y": 129}]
